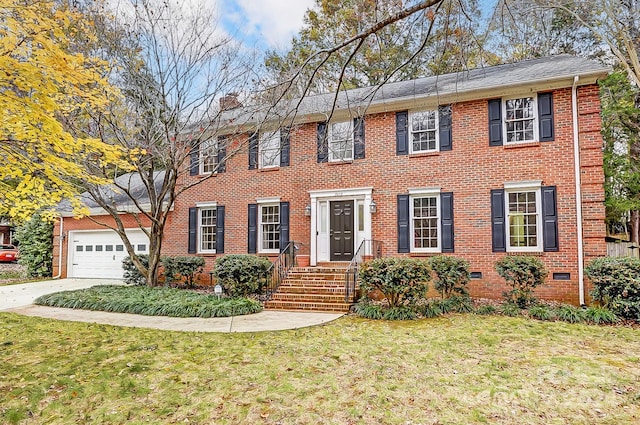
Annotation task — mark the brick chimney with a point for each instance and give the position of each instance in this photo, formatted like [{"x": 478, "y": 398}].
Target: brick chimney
[{"x": 229, "y": 101}]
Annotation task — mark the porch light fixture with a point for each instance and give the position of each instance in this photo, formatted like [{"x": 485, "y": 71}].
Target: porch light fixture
[
  {"x": 373, "y": 207},
  {"x": 307, "y": 210}
]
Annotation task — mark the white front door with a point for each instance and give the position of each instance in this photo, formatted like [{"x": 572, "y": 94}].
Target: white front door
[
  {"x": 321, "y": 201},
  {"x": 99, "y": 254}
]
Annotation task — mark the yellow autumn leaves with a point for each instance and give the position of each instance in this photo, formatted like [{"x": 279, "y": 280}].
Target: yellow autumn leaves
[{"x": 49, "y": 93}]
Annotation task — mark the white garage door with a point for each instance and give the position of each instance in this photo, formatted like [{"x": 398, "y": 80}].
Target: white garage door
[{"x": 99, "y": 254}]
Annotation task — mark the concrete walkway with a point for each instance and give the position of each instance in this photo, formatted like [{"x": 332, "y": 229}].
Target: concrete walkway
[{"x": 19, "y": 299}]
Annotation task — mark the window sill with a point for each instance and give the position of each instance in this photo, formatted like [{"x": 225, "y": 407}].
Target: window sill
[
  {"x": 346, "y": 161},
  {"x": 266, "y": 170},
  {"x": 423, "y": 254},
  {"x": 206, "y": 175},
  {"x": 521, "y": 145},
  {"x": 532, "y": 253},
  {"x": 422, "y": 154}
]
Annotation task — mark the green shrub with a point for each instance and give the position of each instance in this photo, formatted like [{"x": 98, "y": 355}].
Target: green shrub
[
  {"x": 523, "y": 273},
  {"x": 368, "y": 310},
  {"x": 616, "y": 285},
  {"x": 132, "y": 275},
  {"x": 452, "y": 275},
  {"x": 148, "y": 301},
  {"x": 430, "y": 309},
  {"x": 400, "y": 280},
  {"x": 399, "y": 313},
  {"x": 600, "y": 316},
  {"x": 510, "y": 309},
  {"x": 541, "y": 312},
  {"x": 569, "y": 313},
  {"x": 36, "y": 246},
  {"x": 457, "y": 304},
  {"x": 486, "y": 310},
  {"x": 182, "y": 268},
  {"x": 241, "y": 274}
]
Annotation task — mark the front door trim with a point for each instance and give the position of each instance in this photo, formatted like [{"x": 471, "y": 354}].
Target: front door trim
[{"x": 355, "y": 194}]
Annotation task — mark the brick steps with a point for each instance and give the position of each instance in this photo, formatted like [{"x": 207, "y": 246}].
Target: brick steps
[{"x": 312, "y": 289}]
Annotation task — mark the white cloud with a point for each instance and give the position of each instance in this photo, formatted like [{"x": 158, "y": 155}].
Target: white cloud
[{"x": 275, "y": 21}]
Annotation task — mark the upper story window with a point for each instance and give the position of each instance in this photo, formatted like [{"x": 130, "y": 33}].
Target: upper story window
[
  {"x": 208, "y": 156},
  {"x": 269, "y": 149},
  {"x": 341, "y": 141},
  {"x": 424, "y": 131},
  {"x": 520, "y": 120}
]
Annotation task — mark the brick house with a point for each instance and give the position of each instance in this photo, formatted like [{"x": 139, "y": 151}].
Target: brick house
[{"x": 478, "y": 164}]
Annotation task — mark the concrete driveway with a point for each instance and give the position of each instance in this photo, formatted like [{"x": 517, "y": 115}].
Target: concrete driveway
[{"x": 19, "y": 299}]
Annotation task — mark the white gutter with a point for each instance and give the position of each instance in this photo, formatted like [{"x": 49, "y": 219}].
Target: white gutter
[
  {"x": 61, "y": 241},
  {"x": 576, "y": 159}
]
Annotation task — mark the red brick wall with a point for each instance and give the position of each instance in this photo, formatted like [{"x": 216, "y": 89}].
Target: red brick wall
[{"x": 471, "y": 170}]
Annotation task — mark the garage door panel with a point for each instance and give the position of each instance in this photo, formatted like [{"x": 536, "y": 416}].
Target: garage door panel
[{"x": 99, "y": 254}]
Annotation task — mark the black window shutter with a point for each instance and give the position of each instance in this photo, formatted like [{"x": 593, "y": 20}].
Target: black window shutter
[
  {"x": 498, "y": 222},
  {"x": 284, "y": 225},
  {"x": 549, "y": 219},
  {"x": 444, "y": 124},
  {"x": 219, "y": 229},
  {"x": 446, "y": 217},
  {"x": 403, "y": 223},
  {"x": 193, "y": 230},
  {"x": 194, "y": 159},
  {"x": 358, "y": 138},
  {"x": 253, "y": 229},
  {"x": 495, "y": 122},
  {"x": 253, "y": 151},
  {"x": 323, "y": 143},
  {"x": 222, "y": 153},
  {"x": 402, "y": 136},
  {"x": 285, "y": 146},
  {"x": 545, "y": 116}
]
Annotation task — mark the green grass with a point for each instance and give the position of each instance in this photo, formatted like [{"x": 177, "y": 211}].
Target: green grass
[
  {"x": 458, "y": 369},
  {"x": 150, "y": 301}
]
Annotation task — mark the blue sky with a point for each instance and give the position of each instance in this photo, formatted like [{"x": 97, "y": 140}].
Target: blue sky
[{"x": 263, "y": 23}]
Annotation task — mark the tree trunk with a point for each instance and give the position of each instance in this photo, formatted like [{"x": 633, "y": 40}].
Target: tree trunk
[{"x": 634, "y": 228}]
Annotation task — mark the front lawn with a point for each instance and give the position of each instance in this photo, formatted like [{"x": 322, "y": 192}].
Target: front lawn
[
  {"x": 459, "y": 369},
  {"x": 148, "y": 301}
]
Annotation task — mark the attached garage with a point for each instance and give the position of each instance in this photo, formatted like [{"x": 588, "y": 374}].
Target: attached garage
[{"x": 99, "y": 253}]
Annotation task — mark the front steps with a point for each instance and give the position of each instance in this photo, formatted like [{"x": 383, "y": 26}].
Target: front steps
[{"x": 312, "y": 289}]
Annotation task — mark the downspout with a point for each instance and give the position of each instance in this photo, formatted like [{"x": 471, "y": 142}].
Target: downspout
[
  {"x": 576, "y": 159},
  {"x": 60, "y": 241}
]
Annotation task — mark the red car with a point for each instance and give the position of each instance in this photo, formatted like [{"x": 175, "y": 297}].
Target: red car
[{"x": 8, "y": 253}]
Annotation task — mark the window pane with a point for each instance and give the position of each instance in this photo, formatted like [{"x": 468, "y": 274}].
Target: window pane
[
  {"x": 208, "y": 229},
  {"x": 269, "y": 149},
  {"x": 88, "y": 248},
  {"x": 425, "y": 222},
  {"x": 423, "y": 131},
  {"x": 523, "y": 219},
  {"x": 108, "y": 247},
  {"x": 119, "y": 248},
  {"x": 341, "y": 141},
  {"x": 98, "y": 247},
  {"x": 520, "y": 119},
  {"x": 270, "y": 227},
  {"x": 79, "y": 248},
  {"x": 209, "y": 155}
]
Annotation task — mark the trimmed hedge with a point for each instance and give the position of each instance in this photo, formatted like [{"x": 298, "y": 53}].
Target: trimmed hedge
[
  {"x": 452, "y": 275},
  {"x": 616, "y": 285},
  {"x": 182, "y": 269},
  {"x": 241, "y": 274},
  {"x": 523, "y": 273},
  {"x": 400, "y": 280}
]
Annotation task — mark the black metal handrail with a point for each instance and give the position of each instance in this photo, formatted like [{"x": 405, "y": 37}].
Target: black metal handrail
[
  {"x": 279, "y": 269},
  {"x": 368, "y": 249}
]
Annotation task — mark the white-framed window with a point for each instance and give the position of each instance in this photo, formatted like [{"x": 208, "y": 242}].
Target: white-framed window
[
  {"x": 269, "y": 149},
  {"x": 424, "y": 218},
  {"x": 341, "y": 141},
  {"x": 207, "y": 228},
  {"x": 523, "y": 207},
  {"x": 269, "y": 228},
  {"x": 208, "y": 156},
  {"x": 520, "y": 119},
  {"x": 423, "y": 127}
]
